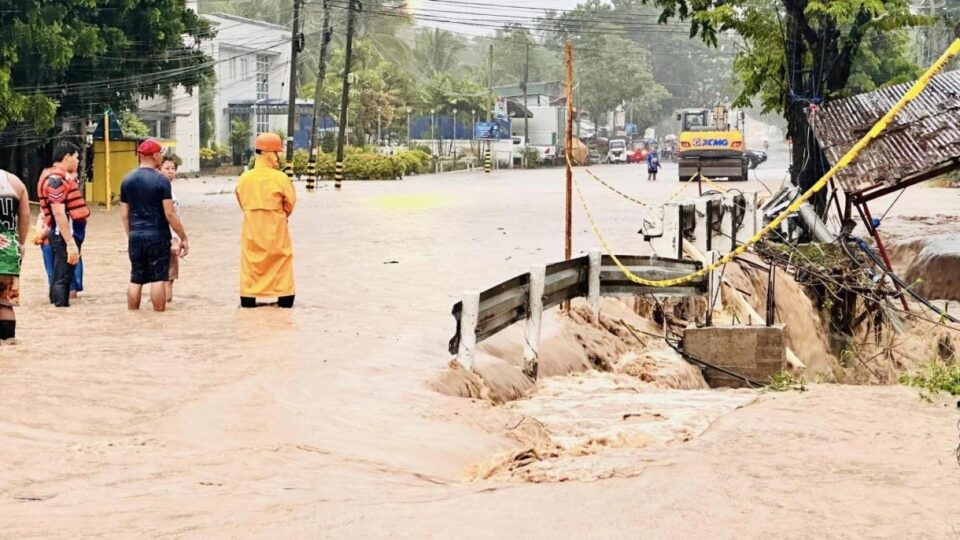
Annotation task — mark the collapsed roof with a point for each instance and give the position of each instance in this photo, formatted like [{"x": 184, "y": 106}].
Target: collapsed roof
[{"x": 922, "y": 142}]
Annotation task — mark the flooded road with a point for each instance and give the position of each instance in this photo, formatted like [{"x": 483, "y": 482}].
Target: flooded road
[{"x": 319, "y": 421}]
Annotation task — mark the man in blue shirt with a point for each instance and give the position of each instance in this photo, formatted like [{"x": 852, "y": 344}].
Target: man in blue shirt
[
  {"x": 653, "y": 165},
  {"x": 146, "y": 206}
]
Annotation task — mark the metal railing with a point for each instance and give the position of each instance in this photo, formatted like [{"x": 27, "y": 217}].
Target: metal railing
[{"x": 483, "y": 314}]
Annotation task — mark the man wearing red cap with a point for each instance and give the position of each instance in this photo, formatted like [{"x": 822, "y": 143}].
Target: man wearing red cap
[
  {"x": 146, "y": 206},
  {"x": 267, "y": 198}
]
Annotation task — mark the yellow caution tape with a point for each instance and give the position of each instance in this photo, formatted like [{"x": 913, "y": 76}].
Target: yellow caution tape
[{"x": 794, "y": 207}]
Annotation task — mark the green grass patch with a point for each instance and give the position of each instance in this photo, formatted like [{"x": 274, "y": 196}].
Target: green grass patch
[
  {"x": 934, "y": 378},
  {"x": 782, "y": 381}
]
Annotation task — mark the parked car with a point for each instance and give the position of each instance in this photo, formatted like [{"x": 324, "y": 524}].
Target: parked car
[
  {"x": 755, "y": 158},
  {"x": 594, "y": 157},
  {"x": 617, "y": 152},
  {"x": 637, "y": 155}
]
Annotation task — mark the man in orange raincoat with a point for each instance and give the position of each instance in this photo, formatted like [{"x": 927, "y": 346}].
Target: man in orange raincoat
[{"x": 267, "y": 198}]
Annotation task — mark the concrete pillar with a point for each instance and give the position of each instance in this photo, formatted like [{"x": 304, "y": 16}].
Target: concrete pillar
[
  {"x": 713, "y": 285},
  {"x": 468, "y": 329},
  {"x": 593, "y": 285},
  {"x": 531, "y": 345},
  {"x": 670, "y": 245},
  {"x": 751, "y": 218},
  {"x": 701, "y": 230}
]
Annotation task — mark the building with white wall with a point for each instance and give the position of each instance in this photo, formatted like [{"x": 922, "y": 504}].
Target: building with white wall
[
  {"x": 251, "y": 60},
  {"x": 252, "y": 65}
]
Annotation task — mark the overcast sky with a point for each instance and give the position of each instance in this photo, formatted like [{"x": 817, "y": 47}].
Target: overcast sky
[{"x": 500, "y": 9}]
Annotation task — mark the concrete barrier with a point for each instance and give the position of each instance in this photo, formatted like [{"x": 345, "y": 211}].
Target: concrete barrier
[{"x": 756, "y": 352}]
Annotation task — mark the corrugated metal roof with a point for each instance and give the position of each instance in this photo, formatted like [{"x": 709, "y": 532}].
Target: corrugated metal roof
[{"x": 925, "y": 135}]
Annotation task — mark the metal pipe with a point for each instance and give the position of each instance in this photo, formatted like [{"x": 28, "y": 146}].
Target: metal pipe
[{"x": 883, "y": 252}]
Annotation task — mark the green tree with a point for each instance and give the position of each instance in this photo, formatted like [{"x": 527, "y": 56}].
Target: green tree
[
  {"x": 208, "y": 113},
  {"x": 510, "y": 52},
  {"x": 240, "y": 134},
  {"x": 437, "y": 51},
  {"x": 798, "y": 53},
  {"x": 71, "y": 57},
  {"x": 132, "y": 126}
]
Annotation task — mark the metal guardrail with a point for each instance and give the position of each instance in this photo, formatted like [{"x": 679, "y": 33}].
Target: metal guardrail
[{"x": 592, "y": 276}]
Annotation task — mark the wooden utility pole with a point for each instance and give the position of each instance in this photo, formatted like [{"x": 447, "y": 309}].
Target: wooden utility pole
[
  {"x": 321, "y": 73},
  {"x": 568, "y": 143},
  {"x": 296, "y": 45},
  {"x": 345, "y": 96}
]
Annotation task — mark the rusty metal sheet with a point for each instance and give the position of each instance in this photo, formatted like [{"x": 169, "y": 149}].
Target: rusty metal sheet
[{"x": 923, "y": 137}]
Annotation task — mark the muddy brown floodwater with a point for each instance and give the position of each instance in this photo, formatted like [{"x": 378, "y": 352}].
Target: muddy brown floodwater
[{"x": 321, "y": 421}]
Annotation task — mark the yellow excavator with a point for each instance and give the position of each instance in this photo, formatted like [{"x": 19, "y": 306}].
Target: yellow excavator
[{"x": 710, "y": 146}]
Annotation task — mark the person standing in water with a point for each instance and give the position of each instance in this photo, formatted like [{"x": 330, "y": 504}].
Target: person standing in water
[
  {"x": 65, "y": 216},
  {"x": 267, "y": 198},
  {"x": 14, "y": 226},
  {"x": 653, "y": 165},
  {"x": 146, "y": 207},
  {"x": 169, "y": 169}
]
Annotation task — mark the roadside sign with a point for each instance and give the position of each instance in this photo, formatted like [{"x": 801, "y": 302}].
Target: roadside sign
[{"x": 487, "y": 131}]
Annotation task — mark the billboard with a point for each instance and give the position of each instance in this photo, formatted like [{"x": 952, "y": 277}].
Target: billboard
[{"x": 487, "y": 131}]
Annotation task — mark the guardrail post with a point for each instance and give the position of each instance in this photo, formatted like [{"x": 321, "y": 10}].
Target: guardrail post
[
  {"x": 531, "y": 346},
  {"x": 750, "y": 217},
  {"x": 593, "y": 285},
  {"x": 468, "y": 329},
  {"x": 701, "y": 229}
]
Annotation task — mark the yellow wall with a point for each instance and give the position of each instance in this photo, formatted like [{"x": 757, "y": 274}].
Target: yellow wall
[{"x": 123, "y": 159}]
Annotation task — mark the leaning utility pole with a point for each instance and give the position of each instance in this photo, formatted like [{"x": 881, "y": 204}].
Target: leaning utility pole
[
  {"x": 296, "y": 45},
  {"x": 352, "y": 8},
  {"x": 321, "y": 73}
]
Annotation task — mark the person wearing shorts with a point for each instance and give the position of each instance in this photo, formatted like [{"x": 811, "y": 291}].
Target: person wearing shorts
[
  {"x": 146, "y": 207},
  {"x": 169, "y": 170},
  {"x": 14, "y": 226}
]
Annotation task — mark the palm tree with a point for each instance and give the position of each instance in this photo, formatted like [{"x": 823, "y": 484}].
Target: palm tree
[{"x": 437, "y": 51}]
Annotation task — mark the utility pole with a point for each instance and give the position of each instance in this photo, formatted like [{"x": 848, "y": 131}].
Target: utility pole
[
  {"x": 568, "y": 144},
  {"x": 296, "y": 45},
  {"x": 568, "y": 151},
  {"x": 321, "y": 73},
  {"x": 526, "y": 79},
  {"x": 353, "y": 6},
  {"x": 490, "y": 80}
]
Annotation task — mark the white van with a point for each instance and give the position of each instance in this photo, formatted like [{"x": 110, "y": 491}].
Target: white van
[{"x": 617, "y": 152}]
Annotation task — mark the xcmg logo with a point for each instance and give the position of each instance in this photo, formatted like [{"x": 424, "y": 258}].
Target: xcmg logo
[{"x": 711, "y": 142}]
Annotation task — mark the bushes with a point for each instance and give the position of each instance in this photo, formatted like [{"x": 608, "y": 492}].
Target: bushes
[
  {"x": 214, "y": 156},
  {"x": 414, "y": 161},
  {"x": 301, "y": 160},
  {"x": 935, "y": 377},
  {"x": 370, "y": 166},
  {"x": 362, "y": 164}
]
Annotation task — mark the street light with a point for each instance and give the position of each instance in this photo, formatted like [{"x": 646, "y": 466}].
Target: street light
[
  {"x": 473, "y": 124},
  {"x": 433, "y": 127},
  {"x": 454, "y": 133},
  {"x": 409, "y": 133}
]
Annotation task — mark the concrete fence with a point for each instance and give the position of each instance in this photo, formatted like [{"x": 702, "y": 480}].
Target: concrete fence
[{"x": 525, "y": 297}]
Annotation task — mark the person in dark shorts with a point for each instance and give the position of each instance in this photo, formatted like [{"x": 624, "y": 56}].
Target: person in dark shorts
[
  {"x": 14, "y": 226},
  {"x": 146, "y": 206}
]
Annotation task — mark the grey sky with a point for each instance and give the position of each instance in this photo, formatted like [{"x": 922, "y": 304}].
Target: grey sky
[{"x": 497, "y": 10}]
